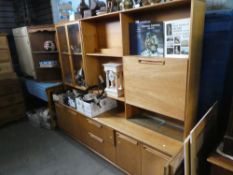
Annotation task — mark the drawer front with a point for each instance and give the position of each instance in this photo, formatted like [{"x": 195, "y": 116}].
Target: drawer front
[
  {"x": 9, "y": 86},
  {"x": 158, "y": 86},
  {"x": 101, "y": 146},
  {"x": 15, "y": 110},
  {"x": 4, "y": 56},
  {"x": 101, "y": 131},
  {"x": 3, "y": 42},
  {"x": 5, "y": 68},
  {"x": 153, "y": 161},
  {"x": 10, "y": 99}
]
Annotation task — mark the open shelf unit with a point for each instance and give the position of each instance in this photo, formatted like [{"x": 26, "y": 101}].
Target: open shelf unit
[
  {"x": 30, "y": 44},
  {"x": 165, "y": 88}
]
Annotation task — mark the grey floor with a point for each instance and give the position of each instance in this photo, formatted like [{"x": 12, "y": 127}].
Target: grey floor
[{"x": 26, "y": 150}]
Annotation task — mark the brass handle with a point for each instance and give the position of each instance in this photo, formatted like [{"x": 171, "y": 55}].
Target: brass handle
[
  {"x": 154, "y": 61},
  {"x": 157, "y": 153},
  {"x": 127, "y": 139},
  {"x": 96, "y": 138},
  {"x": 94, "y": 123}
]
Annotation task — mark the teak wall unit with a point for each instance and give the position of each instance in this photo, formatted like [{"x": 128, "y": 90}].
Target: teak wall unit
[{"x": 164, "y": 87}]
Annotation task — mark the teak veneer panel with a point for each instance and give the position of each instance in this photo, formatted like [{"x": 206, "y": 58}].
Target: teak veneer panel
[
  {"x": 158, "y": 141},
  {"x": 159, "y": 86}
]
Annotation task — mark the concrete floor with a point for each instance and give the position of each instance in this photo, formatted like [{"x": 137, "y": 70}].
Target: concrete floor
[{"x": 26, "y": 150}]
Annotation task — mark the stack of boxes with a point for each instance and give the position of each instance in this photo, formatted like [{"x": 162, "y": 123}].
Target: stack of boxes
[{"x": 11, "y": 98}]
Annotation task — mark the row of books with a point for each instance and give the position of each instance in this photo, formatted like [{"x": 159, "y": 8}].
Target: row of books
[{"x": 160, "y": 39}]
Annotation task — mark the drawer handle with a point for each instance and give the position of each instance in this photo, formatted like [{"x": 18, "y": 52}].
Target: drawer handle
[
  {"x": 127, "y": 139},
  {"x": 96, "y": 138},
  {"x": 157, "y": 153},
  {"x": 94, "y": 123},
  {"x": 151, "y": 61}
]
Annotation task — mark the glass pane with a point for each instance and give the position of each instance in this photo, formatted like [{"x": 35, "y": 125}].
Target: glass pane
[
  {"x": 74, "y": 38},
  {"x": 66, "y": 69},
  {"x": 62, "y": 39},
  {"x": 78, "y": 71}
]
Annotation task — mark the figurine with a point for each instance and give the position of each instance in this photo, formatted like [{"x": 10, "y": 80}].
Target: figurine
[
  {"x": 126, "y": 4},
  {"x": 82, "y": 6},
  {"x": 114, "y": 79}
]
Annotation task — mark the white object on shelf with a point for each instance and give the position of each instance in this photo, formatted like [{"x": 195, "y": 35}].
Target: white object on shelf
[
  {"x": 114, "y": 79},
  {"x": 92, "y": 109}
]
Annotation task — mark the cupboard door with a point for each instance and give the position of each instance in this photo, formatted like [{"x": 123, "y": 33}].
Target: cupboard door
[
  {"x": 66, "y": 120},
  {"x": 128, "y": 154},
  {"x": 159, "y": 86},
  {"x": 153, "y": 162}
]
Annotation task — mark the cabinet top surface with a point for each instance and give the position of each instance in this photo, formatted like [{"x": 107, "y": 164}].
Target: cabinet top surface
[
  {"x": 149, "y": 8},
  {"x": 116, "y": 120}
]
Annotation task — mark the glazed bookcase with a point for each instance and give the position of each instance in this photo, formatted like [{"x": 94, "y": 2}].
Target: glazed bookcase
[{"x": 166, "y": 88}]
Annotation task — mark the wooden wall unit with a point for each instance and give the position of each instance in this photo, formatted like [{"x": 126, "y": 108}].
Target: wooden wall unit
[
  {"x": 166, "y": 88},
  {"x": 30, "y": 48}
]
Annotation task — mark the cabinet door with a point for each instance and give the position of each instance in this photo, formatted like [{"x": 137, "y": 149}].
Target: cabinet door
[
  {"x": 128, "y": 154},
  {"x": 159, "y": 86},
  {"x": 153, "y": 162},
  {"x": 67, "y": 120}
]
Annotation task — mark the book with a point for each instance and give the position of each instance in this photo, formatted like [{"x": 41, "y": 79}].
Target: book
[
  {"x": 146, "y": 38},
  {"x": 176, "y": 38}
]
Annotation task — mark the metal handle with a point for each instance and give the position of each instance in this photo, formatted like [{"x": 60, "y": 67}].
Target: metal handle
[
  {"x": 96, "y": 138},
  {"x": 154, "y": 61},
  {"x": 127, "y": 139},
  {"x": 157, "y": 153},
  {"x": 94, "y": 123}
]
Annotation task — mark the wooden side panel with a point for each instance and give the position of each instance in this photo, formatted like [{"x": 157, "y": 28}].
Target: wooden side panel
[
  {"x": 158, "y": 86},
  {"x": 202, "y": 139},
  {"x": 196, "y": 39},
  {"x": 5, "y": 68}
]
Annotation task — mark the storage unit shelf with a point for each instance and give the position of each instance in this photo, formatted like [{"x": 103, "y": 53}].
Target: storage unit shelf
[
  {"x": 102, "y": 55},
  {"x": 45, "y": 52},
  {"x": 122, "y": 99}
]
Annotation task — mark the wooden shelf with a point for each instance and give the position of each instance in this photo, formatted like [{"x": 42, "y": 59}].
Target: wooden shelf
[
  {"x": 76, "y": 86},
  {"x": 122, "y": 99},
  {"x": 44, "y": 52},
  {"x": 48, "y": 67},
  {"x": 160, "y": 6},
  {"x": 221, "y": 161},
  {"x": 65, "y": 53},
  {"x": 78, "y": 54},
  {"x": 102, "y": 55}
]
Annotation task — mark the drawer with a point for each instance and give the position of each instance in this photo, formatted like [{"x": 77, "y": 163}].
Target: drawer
[
  {"x": 3, "y": 42},
  {"x": 15, "y": 110},
  {"x": 158, "y": 85},
  {"x": 10, "y": 99},
  {"x": 9, "y": 86},
  {"x": 101, "y": 131},
  {"x": 101, "y": 146},
  {"x": 5, "y": 56},
  {"x": 5, "y": 67}
]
